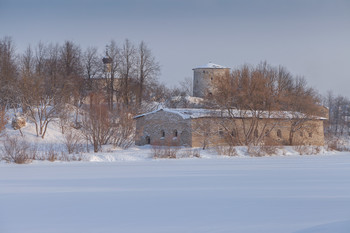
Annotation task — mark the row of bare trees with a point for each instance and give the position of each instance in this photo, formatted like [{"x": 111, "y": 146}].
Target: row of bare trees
[
  {"x": 104, "y": 89},
  {"x": 250, "y": 94},
  {"x": 339, "y": 115}
]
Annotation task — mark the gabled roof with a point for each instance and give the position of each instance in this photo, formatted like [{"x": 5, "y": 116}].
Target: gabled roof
[
  {"x": 193, "y": 113},
  {"x": 211, "y": 66}
]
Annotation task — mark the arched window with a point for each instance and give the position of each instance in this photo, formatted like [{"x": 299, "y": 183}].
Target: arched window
[
  {"x": 279, "y": 133},
  {"x": 162, "y": 133},
  {"x": 175, "y": 133}
]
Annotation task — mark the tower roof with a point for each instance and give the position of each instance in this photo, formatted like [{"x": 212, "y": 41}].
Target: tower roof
[{"x": 211, "y": 66}]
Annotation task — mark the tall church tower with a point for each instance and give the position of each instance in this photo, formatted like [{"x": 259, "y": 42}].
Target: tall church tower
[{"x": 204, "y": 77}]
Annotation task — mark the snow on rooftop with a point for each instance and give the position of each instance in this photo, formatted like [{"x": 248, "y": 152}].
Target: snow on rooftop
[
  {"x": 211, "y": 66},
  {"x": 187, "y": 113}
]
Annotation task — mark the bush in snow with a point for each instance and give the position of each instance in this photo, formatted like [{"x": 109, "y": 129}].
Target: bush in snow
[
  {"x": 16, "y": 150},
  {"x": 124, "y": 129},
  {"x": 190, "y": 153},
  {"x": 97, "y": 122},
  {"x": 226, "y": 150},
  {"x": 262, "y": 150},
  {"x": 72, "y": 140},
  {"x": 165, "y": 150},
  {"x": 339, "y": 143},
  {"x": 307, "y": 150},
  {"x": 18, "y": 122}
]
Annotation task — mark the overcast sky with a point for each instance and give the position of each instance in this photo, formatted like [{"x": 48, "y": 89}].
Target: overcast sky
[{"x": 309, "y": 37}]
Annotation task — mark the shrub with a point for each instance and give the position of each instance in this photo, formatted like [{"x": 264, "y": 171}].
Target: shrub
[
  {"x": 72, "y": 140},
  {"x": 255, "y": 151},
  {"x": 226, "y": 150},
  {"x": 164, "y": 152},
  {"x": 336, "y": 143},
  {"x": 17, "y": 151},
  {"x": 190, "y": 153},
  {"x": 165, "y": 149}
]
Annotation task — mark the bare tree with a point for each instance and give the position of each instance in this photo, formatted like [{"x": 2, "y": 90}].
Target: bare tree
[
  {"x": 72, "y": 140},
  {"x": 186, "y": 86},
  {"x": 41, "y": 108},
  {"x": 71, "y": 73},
  {"x": 97, "y": 122},
  {"x": 147, "y": 69},
  {"x": 3, "y": 120},
  {"x": 303, "y": 105},
  {"x": 8, "y": 73},
  {"x": 91, "y": 66},
  {"x": 339, "y": 115},
  {"x": 111, "y": 70},
  {"x": 251, "y": 94},
  {"x": 126, "y": 69},
  {"x": 36, "y": 93},
  {"x": 205, "y": 129},
  {"x": 124, "y": 128}
]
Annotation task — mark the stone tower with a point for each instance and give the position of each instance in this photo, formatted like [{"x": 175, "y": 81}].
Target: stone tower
[{"x": 203, "y": 77}]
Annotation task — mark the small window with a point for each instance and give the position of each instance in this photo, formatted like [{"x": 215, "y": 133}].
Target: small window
[
  {"x": 301, "y": 134},
  {"x": 221, "y": 132},
  {"x": 211, "y": 78},
  {"x": 256, "y": 133},
  {"x": 203, "y": 71},
  {"x": 279, "y": 133},
  {"x": 310, "y": 135},
  {"x": 175, "y": 133},
  {"x": 267, "y": 133},
  {"x": 148, "y": 140},
  {"x": 162, "y": 133},
  {"x": 233, "y": 133}
]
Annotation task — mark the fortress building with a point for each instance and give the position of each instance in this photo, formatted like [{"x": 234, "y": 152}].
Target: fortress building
[
  {"x": 197, "y": 127},
  {"x": 204, "y": 76}
]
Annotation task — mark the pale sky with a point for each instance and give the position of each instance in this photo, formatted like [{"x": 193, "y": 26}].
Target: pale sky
[{"x": 308, "y": 37}]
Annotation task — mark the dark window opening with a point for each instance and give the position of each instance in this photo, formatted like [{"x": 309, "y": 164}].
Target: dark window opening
[
  {"x": 233, "y": 133},
  {"x": 148, "y": 140},
  {"x": 221, "y": 132},
  {"x": 267, "y": 133},
  {"x": 163, "y": 133},
  {"x": 301, "y": 134},
  {"x": 310, "y": 135},
  {"x": 175, "y": 133},
  {"x": 279, "y": 133}
]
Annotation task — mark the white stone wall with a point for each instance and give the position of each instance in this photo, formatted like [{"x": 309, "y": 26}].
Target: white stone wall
[
  {"x": 152, "y": 126},
  {"x": 203, "y": 80}
]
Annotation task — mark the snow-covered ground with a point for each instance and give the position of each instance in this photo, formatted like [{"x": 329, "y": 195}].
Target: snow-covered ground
[
  {"x": 128, "y": 191},
  {"x": 240, "y": 194}
]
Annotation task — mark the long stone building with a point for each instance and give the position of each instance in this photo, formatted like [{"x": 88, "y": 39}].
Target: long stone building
[{"x": 208, "y": 127}]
